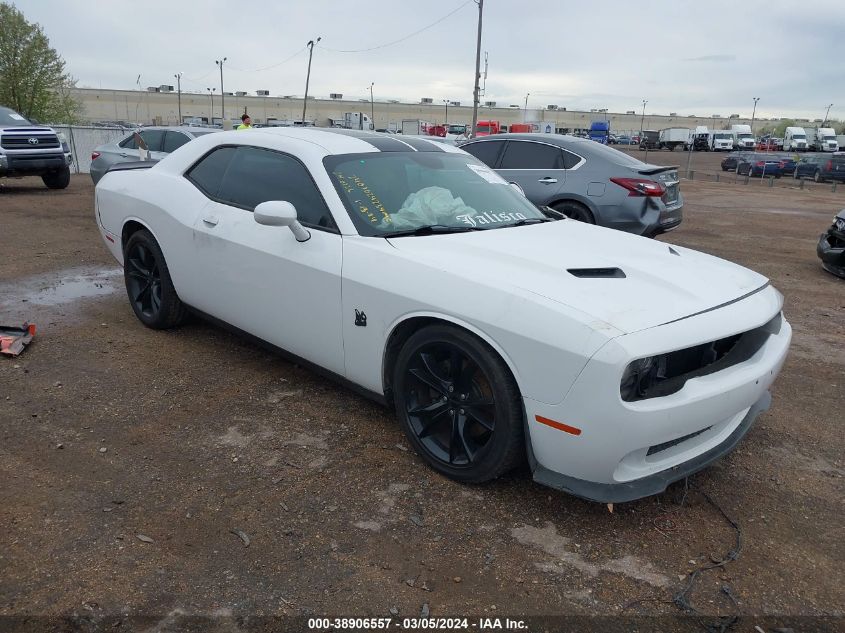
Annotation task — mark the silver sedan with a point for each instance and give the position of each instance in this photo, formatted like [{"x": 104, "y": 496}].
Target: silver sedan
[
  {"x": 585, "y": 180},
  {"x": 160, "y": 141}
]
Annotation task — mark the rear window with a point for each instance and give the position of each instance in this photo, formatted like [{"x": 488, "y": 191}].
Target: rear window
[{"x": 615, "y": 156}]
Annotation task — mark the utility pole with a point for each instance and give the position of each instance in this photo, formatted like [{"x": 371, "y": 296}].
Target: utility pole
[
  {"x": 219, "y": 62},
  {"x": 372, "y": 107},
  {"x": 525, "y": 109},
  {"x": 179, "y": 94},
  {"x": 642, "y": 130},
  {"x": 310, "y": 46},
  {"x": 211, "y": 98},
  {"x": 753, "y": 113},
  {"x": 446, "y": 116},
  {"x": 826, "y": 114},
  {"x": 477, "y": 69}
]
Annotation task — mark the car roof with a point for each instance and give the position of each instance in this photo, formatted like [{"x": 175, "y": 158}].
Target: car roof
[{"x": 342, "y": 141}]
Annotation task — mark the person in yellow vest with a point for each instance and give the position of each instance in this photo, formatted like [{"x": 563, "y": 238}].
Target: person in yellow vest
[{"x": 246, "y": 122}]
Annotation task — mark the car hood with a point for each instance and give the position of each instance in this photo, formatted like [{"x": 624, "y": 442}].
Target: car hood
[{"x": 661, "y": 283}]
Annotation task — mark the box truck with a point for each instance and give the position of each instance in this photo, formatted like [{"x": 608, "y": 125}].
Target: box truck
[
  {"x": 357, "y": 121},
  {"x": 743, "y": 138},
  {"x": 672, "y": 137},
  {"x": 721, "y": 141},
  {"x": 822, "y": 139},
  {"x": 795, "y": 140}
]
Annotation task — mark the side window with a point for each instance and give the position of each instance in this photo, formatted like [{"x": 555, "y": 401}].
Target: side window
[
  {"x": 528, "y": 155},
  {"x": 128, "y": 143},
  {"x": 257, "y": 175},
  {"x": 569, "y": 159},
  {"x": 174, "y": 140},
  {"x": 208, "y": 172},
  {"x": 485, "y": 151},
  {"x": 153, "y": 139}
]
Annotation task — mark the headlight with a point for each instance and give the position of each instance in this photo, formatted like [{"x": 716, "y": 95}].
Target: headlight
[
  {"x": 640, "y": 376},
  {"x": 62, "y": 137}
]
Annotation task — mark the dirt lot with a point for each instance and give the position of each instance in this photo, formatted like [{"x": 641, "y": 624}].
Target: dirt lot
[{"x": 198, "y": 440}]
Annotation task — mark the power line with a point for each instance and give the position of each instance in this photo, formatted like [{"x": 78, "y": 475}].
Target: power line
[
  {"x": 407, "y": 37},
  {"x": 284, "y": 61}
]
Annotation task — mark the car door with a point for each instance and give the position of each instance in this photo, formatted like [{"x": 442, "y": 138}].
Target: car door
[
  {"x": 536, "y": 167},
  {"x": 259, "y": 278}
]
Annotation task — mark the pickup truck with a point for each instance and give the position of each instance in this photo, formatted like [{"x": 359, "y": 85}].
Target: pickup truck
[{"x": 32, "y": 150}]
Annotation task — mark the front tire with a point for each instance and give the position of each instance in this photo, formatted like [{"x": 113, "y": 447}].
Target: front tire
[
  {"x": 148, "y": 284},
  {"x": 458, "y": 404},
  {"x": 575, "y": 211},
  {"x": 57, "y": 179}
]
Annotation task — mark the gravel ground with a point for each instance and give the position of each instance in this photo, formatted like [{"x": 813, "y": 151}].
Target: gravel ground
[{"x": 192, "y": 472}]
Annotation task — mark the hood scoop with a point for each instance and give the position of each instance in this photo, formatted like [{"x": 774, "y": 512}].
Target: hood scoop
[{"x": 597, "y": 273}]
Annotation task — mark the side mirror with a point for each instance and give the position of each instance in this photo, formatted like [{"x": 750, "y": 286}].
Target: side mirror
[
  {"x": 279, "y": 213},
  {"x": 517, "y": 187}
]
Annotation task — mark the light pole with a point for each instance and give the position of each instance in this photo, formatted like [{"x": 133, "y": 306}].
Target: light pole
[
  {"x": 476, "y": 89},
  {"x": 211, "y": 98},
  {"x": 219, "y": 62},
  {"x": 525, "y": 109},
  {"x": 310, "y": 46},
  {"x": 178, "y": 77},
  {"x": 642, "y": 121},
  {"x": 446, "y": 116},
  {"x": 753, "y": 113},
  {"x": 826, "y": 114},
  {"x": 372, "y": 107}
]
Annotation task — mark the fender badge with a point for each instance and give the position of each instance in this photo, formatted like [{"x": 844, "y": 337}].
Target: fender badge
[{"x": 360, "y": 318}]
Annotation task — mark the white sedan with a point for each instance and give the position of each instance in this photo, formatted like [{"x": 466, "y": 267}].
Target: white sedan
[{"x": 615, "y": 364}]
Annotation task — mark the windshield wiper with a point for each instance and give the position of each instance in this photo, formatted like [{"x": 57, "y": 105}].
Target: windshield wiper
[
  {"x": 529, "y": 221},
  {"x": 431, "y": 229}
]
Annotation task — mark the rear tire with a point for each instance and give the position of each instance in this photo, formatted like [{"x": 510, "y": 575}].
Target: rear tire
[
  {"x": 148, "y": 284},
  {"x": 575, "y": 211},
  {"x": 817, "y": 177},
  {"x": 459, "y": 404},
  {"x": 57, "y": 179}
]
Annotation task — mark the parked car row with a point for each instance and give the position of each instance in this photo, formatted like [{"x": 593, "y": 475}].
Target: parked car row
[
  {"x": 499, "y": 332},
  {"x": 819, "y": 167}
]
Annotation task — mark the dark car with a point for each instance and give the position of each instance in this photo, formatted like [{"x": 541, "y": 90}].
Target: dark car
[
  {"x": 624, "y": 139},
  {"x": 759, "y": 165},
  {"x": 586, "y": 180},
  {"x": 821, "y": 167},
  {"x": 730, "y": 162},
  {"x": 787, "y": 164},
  {"x": 831, "y": 247}
]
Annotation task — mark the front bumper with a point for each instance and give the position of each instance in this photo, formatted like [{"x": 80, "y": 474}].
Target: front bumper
[
  {"x": 620, "y": 451},
  {"x": 32, "y": 165},
  {"x": 651, "y": 484},
  {"x": 831, "y": 250}
]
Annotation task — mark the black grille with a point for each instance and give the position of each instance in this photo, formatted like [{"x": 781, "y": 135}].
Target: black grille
[
  {"x": 666, "y": 445},
  {"x": 24, "y": 141}
]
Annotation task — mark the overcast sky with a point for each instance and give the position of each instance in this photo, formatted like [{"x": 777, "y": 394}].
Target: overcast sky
[{"x": 704, "y": 57}]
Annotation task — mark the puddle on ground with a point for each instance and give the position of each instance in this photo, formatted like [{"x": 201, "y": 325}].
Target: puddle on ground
[{"x": 57, "y": 288}]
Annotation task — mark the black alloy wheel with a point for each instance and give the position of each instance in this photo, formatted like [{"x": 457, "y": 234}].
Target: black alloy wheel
[
  {"x": 148, "y": 285},
  {"x": 458, "y": 404},
  {"x": 575, "y": 211},
  {"x": 143, "y": 280}
]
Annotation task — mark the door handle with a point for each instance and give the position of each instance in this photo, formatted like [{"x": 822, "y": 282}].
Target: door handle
[
  {"x": 547, "y": 180},
  {"x": 211, "y": 220},
  {"x": 123, "y": 155}
]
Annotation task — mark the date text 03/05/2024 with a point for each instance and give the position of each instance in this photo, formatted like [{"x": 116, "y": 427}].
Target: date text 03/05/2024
[{"x": 418, "y": 624}]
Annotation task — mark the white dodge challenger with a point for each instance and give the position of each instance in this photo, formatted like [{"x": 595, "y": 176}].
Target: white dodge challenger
[{"x": 406, "y": 268}]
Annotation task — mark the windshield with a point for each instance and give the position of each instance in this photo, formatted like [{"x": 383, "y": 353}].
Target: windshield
[
  {"x": 723, "y": 136},
  {"x": 457, "y": 129},
  {"x": 745, "y": 135},
  {"x": 802, "y": 137},
  {"x": 829, "y": 138},
  {"x": 388, "y": 192},
  {"x": 10, "y": 117},
  {"x": 482, "y": 128}
]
